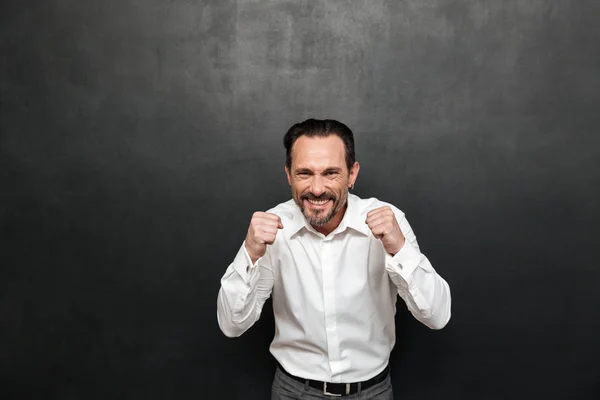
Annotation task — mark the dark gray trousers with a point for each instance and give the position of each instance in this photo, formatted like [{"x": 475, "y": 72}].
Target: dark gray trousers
[{"x": 286, "y": 388}]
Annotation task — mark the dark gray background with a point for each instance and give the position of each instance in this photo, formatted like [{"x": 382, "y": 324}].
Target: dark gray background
[{"x": 137, "y": 138}]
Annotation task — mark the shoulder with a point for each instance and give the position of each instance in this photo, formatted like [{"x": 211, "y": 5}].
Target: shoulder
[{"x": 363, "y": 206}]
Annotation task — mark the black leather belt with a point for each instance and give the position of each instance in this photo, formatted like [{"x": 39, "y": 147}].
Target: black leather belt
[{"x": 340, "y": 389}]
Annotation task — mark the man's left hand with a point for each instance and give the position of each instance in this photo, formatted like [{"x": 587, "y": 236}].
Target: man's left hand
[{"x": 384, "y": 226}]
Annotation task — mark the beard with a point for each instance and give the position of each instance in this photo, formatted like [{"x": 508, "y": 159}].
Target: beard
[{"x": 321, "y": 217}]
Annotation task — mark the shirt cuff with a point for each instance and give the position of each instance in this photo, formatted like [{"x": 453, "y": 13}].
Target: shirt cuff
[
  {"x": 405, "y": 261},
  {"x": 243, "y": 264}
]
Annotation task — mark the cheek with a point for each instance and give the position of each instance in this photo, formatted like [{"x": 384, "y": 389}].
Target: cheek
[
  {"x": 299, "y": 187},
  {"x": 338, "y": 186}
]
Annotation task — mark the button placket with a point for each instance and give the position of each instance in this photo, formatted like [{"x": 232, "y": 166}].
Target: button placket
[{"x": 329, "y": 305}]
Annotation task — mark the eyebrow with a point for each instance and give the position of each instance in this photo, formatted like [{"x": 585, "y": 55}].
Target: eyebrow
[{"x": 309, "y": 171}]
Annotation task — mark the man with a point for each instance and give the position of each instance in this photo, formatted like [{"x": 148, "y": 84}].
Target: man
[{"x": 334, "y": 264}]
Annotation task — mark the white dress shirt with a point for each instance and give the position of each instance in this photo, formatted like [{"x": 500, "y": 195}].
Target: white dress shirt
[{"x": 334, "y": 296}]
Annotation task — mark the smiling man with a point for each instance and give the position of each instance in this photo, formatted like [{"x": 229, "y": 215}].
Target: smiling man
[{"x": 334, "y": 265}]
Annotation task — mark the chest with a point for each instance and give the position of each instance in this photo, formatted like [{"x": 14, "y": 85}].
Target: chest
[{"x": 346, "y": 264}]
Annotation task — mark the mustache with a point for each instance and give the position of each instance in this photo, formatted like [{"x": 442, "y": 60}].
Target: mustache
[{"x": 323, "y": 196}]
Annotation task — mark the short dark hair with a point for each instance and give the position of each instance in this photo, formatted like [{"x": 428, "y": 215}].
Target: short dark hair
[{"x": 320, "y": 128}]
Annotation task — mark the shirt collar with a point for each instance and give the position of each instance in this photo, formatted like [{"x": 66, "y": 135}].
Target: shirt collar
[{"x": 354, "y": 218}]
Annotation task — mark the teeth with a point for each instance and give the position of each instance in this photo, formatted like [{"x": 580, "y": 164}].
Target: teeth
[{"x": 319, "y": 203}]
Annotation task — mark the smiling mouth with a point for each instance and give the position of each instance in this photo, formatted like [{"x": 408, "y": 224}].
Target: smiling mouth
[{"x": 318, "y": 202}]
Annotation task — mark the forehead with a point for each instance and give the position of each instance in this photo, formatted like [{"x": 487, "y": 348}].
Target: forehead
[{"x": 318, "y": 152}]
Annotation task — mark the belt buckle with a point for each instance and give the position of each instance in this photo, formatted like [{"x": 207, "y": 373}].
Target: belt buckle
[{"x": 325, "y": 392}]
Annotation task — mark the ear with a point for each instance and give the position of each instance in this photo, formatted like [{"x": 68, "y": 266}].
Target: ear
[
  {"x": 353, "y": 174},
  {"x": 287, "y": 172}
]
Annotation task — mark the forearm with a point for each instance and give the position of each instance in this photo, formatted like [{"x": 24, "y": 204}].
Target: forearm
[
  {"x": 244, "y": 290},
  {"x": 425, "y": 292}
]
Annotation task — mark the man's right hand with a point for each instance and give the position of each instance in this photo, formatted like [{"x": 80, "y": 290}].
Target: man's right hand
[{"x": 262, "y": 232}]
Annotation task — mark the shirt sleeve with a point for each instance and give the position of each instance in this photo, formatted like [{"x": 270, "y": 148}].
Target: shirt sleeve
[
  {"x": 244, "y": 289},
  {"x": 425, "y": 292}
]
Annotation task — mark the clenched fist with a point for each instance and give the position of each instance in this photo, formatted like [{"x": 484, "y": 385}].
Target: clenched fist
[
  {"x": 384, "y": 226},
  {"x": 262, "y": 232}
]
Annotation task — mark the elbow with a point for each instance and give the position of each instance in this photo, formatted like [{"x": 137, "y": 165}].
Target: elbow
[
  {"x": 442, "y": 312},
  {"x": 229, "y": 329},
  {"x": 438, "y": 323},
  {"x": 225, "y": 319},
  {"x": 231, "y": 333},
  {"x": 433, "y": 321},
  {"x": 439, "y": 320}
]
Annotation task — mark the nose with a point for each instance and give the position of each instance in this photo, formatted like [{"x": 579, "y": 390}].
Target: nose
[{"x": 316, "y": 187}]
